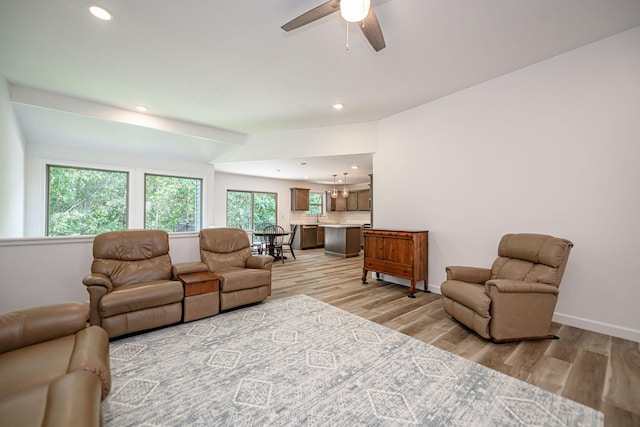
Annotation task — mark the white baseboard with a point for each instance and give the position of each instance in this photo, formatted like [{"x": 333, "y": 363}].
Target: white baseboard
[{"x": 600, "y": 327}]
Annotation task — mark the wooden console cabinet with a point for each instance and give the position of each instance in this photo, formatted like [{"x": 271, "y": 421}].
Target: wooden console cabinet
[{"x": 399, "y": 253}]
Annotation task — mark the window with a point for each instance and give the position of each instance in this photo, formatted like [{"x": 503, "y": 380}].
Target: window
[
  {"x": 315, "y": 204},
  {"x": 83, "y": 201},
  {"x": 251, "y": 210},
  {"x": 172, "y": 203}
]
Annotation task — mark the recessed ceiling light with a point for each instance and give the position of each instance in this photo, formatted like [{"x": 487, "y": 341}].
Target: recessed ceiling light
[
  {"x": 100, "y": 12},
  {"x": 355, "y": 167},
  {"x": 338, "y": 106},
  {"x": 142, "y": 108}
]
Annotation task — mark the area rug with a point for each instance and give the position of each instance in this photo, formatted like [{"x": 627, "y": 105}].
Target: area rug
[{"x": 299, "y": 361}]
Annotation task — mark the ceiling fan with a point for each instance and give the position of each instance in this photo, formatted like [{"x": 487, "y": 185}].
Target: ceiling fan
[{"x": 353, "y": 11}]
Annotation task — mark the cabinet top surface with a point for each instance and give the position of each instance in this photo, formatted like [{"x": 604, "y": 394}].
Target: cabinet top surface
[{"x": 389, "y": 230}]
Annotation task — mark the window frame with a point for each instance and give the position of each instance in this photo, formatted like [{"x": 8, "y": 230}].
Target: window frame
[
  {"x": 252, "y": 192},
  {"x": 200, "y": 210},
  {"x": 48, "y": 167},
  {"x": 321, "y": 204}
]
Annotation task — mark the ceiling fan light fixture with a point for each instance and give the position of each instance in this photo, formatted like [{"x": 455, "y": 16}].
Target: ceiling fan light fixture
[{"x": 354, "y": 10}]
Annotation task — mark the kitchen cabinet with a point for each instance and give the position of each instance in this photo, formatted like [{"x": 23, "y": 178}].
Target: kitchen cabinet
[
  {"x": 352, "y": 201},
  {"x": 320, "y": 237},
  {"x": 363, "y": 200},
  {"x": 342, "y": 240},
  {"x": 337, "y": 204},
  {"x": 299, "y": 199},
  {"x": 306, "y": 236},
  {"x": 398, "y": 253}
]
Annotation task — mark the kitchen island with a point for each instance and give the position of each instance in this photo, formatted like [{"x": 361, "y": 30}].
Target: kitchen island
[{"x": 342, "y": 240}]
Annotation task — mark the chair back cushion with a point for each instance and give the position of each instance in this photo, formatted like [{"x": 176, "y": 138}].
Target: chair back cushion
[
  {"x": 132, "y": 256},
  {"x": 224, "y": 247},
  {"x": 531, "y": 258}
]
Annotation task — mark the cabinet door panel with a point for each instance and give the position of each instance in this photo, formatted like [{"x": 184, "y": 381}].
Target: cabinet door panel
[
  {"x": 363, "y": 200},
  {"x": 398, "y": 250}
]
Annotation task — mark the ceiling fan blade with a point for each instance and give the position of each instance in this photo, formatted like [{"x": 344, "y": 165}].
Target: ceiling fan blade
[
  {"x": 371, "y": 29},
  {"x": 314, "y": 14}
]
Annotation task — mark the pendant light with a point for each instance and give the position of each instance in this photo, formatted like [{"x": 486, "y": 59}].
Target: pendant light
[
  {"x": 354, "y": 10},
  {"x": 345, "y": 191},
  {"x": 334, "y": 192}
]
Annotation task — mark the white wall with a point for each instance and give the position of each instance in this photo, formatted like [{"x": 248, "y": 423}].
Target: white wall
[
  {"x": 553, "y": 148},
  {"x": 11, "y": 168},
  {"x": 41, "y": 271}
]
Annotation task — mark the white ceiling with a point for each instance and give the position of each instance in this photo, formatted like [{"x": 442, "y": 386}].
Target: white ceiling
[{"x": 212, "y": 72}]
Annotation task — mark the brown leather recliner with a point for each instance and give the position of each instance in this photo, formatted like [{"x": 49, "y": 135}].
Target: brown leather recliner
[
  {"x": 515, "y": 299},
  {"x": 130, "y": 285},
  {"x": 244, "y": 278},
  {"x": 53, "y": 369}
]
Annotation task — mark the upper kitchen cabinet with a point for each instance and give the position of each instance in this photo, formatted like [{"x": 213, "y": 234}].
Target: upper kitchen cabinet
[
  {"x": 363, "y": 200},
  {"x": 337, "y": 204},
  {"x": 352, "y": 201},
  {"x": 299, "y": 199},
  {"x": 359, "y": 200}
]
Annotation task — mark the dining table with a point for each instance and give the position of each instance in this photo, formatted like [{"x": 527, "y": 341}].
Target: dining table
[{"x": 271, "y": 238}]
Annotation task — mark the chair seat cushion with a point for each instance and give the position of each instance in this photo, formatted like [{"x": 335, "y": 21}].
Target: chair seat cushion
[
  {"x": 471, "y": 295},
  {"x": 235, "y": 279},
  {"x": 140, "y": 296}
]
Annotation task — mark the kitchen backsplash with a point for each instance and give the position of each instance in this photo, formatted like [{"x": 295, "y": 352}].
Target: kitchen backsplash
[{"x": 340, "y": 217}]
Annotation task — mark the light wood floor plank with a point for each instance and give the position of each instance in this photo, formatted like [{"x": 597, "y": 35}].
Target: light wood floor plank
[{"x": 624, "y": 375}]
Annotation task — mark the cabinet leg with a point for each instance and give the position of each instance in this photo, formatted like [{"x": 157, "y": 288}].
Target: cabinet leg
[
  {"x": 412, "y": 289},
  {"x": 364, "y": 277}
]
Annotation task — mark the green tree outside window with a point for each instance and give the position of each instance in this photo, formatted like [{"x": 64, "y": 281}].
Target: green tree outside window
[
  {"x": 315, "y": 204},
  {"x": 251, "y": 210},
  {"x": 172, "y": 203},
  {"x": 85, "y": 201}
]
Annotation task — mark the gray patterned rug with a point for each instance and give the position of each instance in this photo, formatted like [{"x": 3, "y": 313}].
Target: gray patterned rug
[{"x": 299, "y": 361}]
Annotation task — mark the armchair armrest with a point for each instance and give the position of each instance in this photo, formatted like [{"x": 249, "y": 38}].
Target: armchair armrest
[
  {"x": 468, "y": 274},
  {"x": 519, "y": 286},
  {"x": 188, "y": 267},
  {"x": 35, "y": 325},
  {"x": 98, "y": 279},
  {"x": 259, "y": 261}
]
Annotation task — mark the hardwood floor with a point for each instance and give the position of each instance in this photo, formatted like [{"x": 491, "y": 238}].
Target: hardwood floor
[{"x": 599, "y": 371}]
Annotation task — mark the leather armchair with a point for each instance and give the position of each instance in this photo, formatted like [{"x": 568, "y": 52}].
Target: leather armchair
[
  {"x": 515, "y": 298},
  {"x": 130, "y": 286},
  {"x": 244, "y": 278},
  {"x": 54, "y": 369}
]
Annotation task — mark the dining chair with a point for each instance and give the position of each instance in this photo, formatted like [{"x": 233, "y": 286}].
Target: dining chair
[
  {"x": 273, "y": 237},
  {"x": 289, "y": 242}
]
